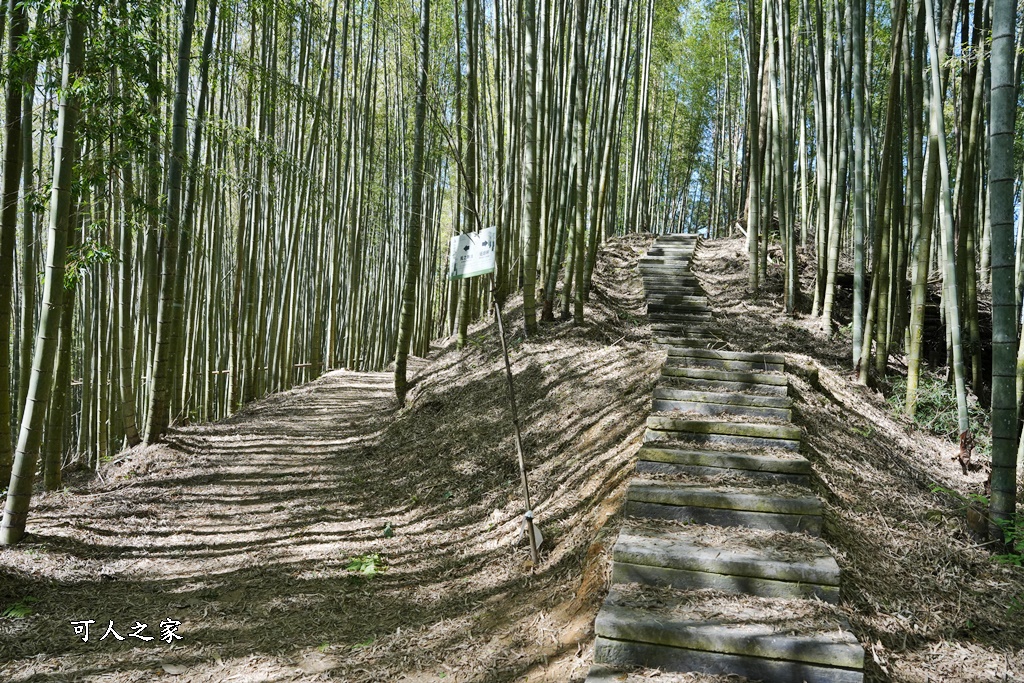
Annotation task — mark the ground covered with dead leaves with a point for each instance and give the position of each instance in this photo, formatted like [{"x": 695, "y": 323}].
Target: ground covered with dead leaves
[
  {"x": 927, "y": 601},
  {"x": 323, "y": 534}
]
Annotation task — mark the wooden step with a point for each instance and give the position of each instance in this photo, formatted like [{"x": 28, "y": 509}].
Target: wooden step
[
  {"x": 716, "y": 380},
  {"x": 708, "y": 340},
  {"x": 680, "y": 258},
  {"x": 783, "y": 641},
  {"x": 669, "y": 273},
  {"x": 654, "y": 287},
  {"x": 671, "y": 253},
  {"x": 723, "y": 397},
  {"x": 694, "y": 330},
  {"x": 687, "y": 315},
  {"x": 732, "y": 505},
  {"x": 680, "y": 320},
  {"x": 691, "y": 335},
  {"x": 677, "y": 331},
  {"x": 745, "y": 561},
  {"x": 672, "y": 284},
  {"x": 679, "y": 274},
  {"x": 677, "y": 237},
  {"x": 721, "y": 432},
  {"x": 685, "y": 308},
  {"x": 685, "y": 334},
  {"x": 702, "y": 407},
  {"x": 677, "y": 299},
  {"x": 707, "y": 360},
  {"x": 767, "y": 359},
  {"x": 699, "y": 304},
  {"x": 666, "y": 268},
  {"x": 771, "y": 466}
]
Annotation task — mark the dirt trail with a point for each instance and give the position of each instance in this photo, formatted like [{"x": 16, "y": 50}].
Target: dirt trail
[
  {"x": 231, "y": 528},
  {"x": 244, "y": 530}
]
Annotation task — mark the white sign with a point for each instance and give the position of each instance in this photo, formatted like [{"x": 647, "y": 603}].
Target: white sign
[{"x": 472, "y": 254}]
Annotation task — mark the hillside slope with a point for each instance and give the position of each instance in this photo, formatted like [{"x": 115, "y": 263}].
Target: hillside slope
[{"x": 244, "y": 530}]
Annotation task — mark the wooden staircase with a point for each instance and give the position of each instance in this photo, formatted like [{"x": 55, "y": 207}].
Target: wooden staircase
[{"x": 719, "y": 567}]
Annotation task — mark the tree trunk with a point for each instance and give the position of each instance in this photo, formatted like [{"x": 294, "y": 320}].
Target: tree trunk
[
  {"x": 20, "y": 492},
  {"x": 1004, "y": 324},
  {"x": 414, "y": 238},
  {"x": 161, "y": 382},
  {"x": 9, "y": 226}
]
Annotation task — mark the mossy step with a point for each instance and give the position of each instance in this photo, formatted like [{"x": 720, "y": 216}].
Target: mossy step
[
  {"x": 684, "y": 308},
  {"x": 691, "y": 361},
  {"x": 775, "y": 467},
  {"x": 712, "y": 408},
  {"x": 759, "y": 358},
  {"x": 741, "y": 434},
  {"x": 695, "y": 295},
  {"x": 668, "y": 284},
  {"x": 733, "y": 376},
  {"x": 750, "y": 505},
  {"x": 666, "y": 268},
  {"x": 679, "y": 332},
  {"x": 681, "y": 251},
  {"x": 688, "y": 382},
  {"x": 680, "y": 317},
  {"x": 680, "y": 310},
  {"x": 676, "y": 334},
  {"x": 672, "y": 273},
  {"x": 660, "y": 287},
  {"x": 680, "y": 258},
  {"x": 680, "y": 326},
  {"x": 707, "y": 339},
  {"x": 677, "y": 299},
  {"x": 761, "y": 644},
  {"x": 742, "y": 562},
  {"x": 671, "y": 277},
  {"x": 727, "y": 397},
  {"x": 667, "y": 256},
  {"x": 695, "y": 304},
  {"x": 676, "y": 277},
  {"x": 741, "y": 498},
  {"x": 677, "y": 237}
]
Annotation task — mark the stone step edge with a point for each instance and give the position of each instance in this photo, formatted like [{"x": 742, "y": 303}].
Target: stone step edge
[
  {"x": 769, "y": 358},
  {"x": 672, "y": 550},
  {"x": 725, "y": 460},
  {"x": 784, "y": 432},
  {"x": 736, "y": 376},
  {"x": 689, "y": 495},
  {"x": 631, "y": 624},
  {"x": 723, "y": 397},
  {"x": 720, "y": 364},
  {"x": 667, "y": 658}
]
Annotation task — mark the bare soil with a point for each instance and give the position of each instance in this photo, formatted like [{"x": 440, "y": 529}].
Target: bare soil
[{"x": 244, "y": 530}]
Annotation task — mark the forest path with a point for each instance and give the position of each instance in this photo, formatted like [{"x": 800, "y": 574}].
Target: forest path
[
  {"x": 244, "y": 530},
  {"x": 718, "y": 567},
  {"x": 239, "y": 530}
]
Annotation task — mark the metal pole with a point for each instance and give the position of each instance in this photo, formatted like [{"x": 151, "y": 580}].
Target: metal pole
[{"x": 515, "y": 424}]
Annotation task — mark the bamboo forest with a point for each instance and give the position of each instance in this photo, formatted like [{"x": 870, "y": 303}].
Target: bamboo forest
[{"x": 734, "y": 395}]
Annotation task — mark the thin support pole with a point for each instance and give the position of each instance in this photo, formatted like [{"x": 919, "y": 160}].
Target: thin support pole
[{"x": 515, "y": 423}]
